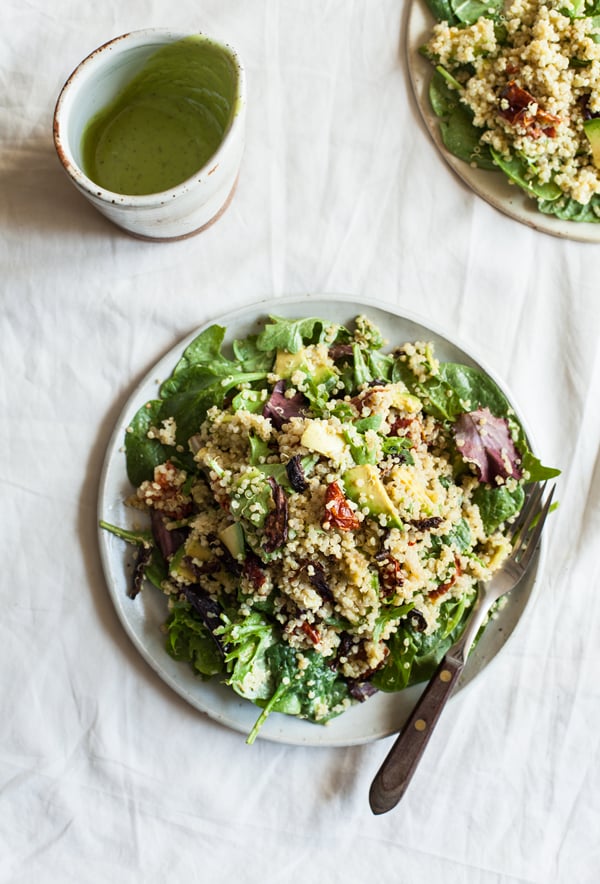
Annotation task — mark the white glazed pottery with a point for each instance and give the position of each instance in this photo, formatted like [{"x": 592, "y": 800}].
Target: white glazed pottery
[{"x": 172, "y": 214}]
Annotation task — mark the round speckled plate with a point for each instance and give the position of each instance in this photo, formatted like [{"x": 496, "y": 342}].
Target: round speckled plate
[
  {"x": 382, "y": 714},
  {"x": 493, "y": 187}
]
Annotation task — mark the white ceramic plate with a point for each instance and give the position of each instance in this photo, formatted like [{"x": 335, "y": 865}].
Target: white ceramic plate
[
  {"x": 490, "y": 186},
  {"x": 382, "y": 714}
]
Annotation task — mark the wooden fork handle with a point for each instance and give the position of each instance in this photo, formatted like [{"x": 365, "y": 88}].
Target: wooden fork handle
[{"x": 394, "y": 775}]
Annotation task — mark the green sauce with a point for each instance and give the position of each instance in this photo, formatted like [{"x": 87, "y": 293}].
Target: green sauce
[{"x": 166, "y": 123}]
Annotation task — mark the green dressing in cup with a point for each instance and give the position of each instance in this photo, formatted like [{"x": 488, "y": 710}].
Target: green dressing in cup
[{"x": 167, "y": 123}]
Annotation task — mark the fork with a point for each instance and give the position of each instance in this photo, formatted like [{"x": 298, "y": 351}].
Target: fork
[{"x": 394, "y": 775}]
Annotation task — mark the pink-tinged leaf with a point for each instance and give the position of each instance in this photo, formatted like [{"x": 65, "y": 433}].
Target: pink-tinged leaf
[
  {"x": 485, "y": 441},
  {"x": 281, "y": 409}
]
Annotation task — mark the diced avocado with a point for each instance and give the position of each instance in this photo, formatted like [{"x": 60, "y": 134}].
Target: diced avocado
[
  {"x": 179, "y": 567},
  {"x": 415, "y": 489},
  {"x": 313, "y": 361},
  {"x": 195, "y": 549},
  {"x": 319, "y": 436},
  {"x": 406, "y": 402},
  {"x": 592, "y": 130},
  {"x": 232, "y": 538},
  {"x": 364, "y": 486}
]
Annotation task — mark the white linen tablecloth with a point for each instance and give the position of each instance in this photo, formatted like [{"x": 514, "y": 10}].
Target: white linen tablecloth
[{"x": 105, "y": 773}]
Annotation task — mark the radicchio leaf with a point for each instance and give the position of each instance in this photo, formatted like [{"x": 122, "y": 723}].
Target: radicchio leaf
[
  {"x": 485, "y": 441},
  {"x": 361, "y": 690},
  {"x": 281, "y": 409},
  {"x": 168, "y": 541}
]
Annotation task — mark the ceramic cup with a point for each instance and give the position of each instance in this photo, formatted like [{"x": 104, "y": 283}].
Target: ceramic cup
[{"x": 180, "y": 211}]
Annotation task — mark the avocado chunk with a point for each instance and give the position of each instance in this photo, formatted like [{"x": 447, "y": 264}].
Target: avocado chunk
[
  {"x": 319, "y": 436},
  {"x": 406, "y": 402},
  {"x": 179, "y": 566},
  {"x": 364, "y": 486},
  {"x": 232, "y": 539},
  {"x": 195, "y": 549},
  {"x": 313, "y": 361},
  {"x": 592, "y": 130}
]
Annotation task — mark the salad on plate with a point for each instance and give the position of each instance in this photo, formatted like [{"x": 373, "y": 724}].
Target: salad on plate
[
  {"x": 516, "y": 88},
  {"x": 318, "y": 509}
]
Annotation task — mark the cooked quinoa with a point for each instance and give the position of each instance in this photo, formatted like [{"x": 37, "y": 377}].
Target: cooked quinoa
[
  {"x": 324, "y": 527},
  {"x": 555, "y": 59}
]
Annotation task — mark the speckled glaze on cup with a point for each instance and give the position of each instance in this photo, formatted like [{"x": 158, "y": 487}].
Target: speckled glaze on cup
[{"x": 172, "y": 214}]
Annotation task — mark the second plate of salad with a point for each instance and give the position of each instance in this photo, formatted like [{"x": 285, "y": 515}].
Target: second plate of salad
[
  {"x": 509, "y": 92},
  {"x": 294, "y": 522}
]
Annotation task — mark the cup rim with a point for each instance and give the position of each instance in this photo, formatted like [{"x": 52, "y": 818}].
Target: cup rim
[{"x": 149, "y": 36}]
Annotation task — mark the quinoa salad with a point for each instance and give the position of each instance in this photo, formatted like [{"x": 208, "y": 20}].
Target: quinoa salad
[
  {"x": 516, "y": 87},
  {"x": 318, "y": 508}
]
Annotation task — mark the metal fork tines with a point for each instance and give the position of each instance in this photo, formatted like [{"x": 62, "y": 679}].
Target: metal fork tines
[{"x": 394, "y": 776}]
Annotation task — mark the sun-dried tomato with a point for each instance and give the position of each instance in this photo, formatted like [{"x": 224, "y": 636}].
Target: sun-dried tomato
[
  {"x": 338, "y": 511},
  {"x": 401, "y": 423},
  {"x": 164, "y": 493},
  {"x": 522, "y": 109},
  {"x": 310, "y": 632},
  {"x": 443, "y": 588}
]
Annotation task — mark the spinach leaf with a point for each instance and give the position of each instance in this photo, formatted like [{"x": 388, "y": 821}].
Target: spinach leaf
[
  {"x": 144, "y": 454},
  {"x": 201, "y": 378},
  {"x": 568, "y": 209},
  {"x": 205, "y": 349},
  {"x": 497, "y": 504},
  {"x": 443, "y": 97},
  {"x": 457, "y": 389},
  {"x": 469, "y": 11},
  {"x": 315, "y": 692},
  {"x": 189, "y": 393},
  {"x": 536, "y": 470},
  {"x": 517, "y": 168},
  {"x": 458, "y": 537},
  {"x": 414, "y": 655},
  {"x": 442, "y": 11},
  {"x": 461, "y": 138},
  {"x": 263, "y": 669},
  {"x": 189, "y": 640}
]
